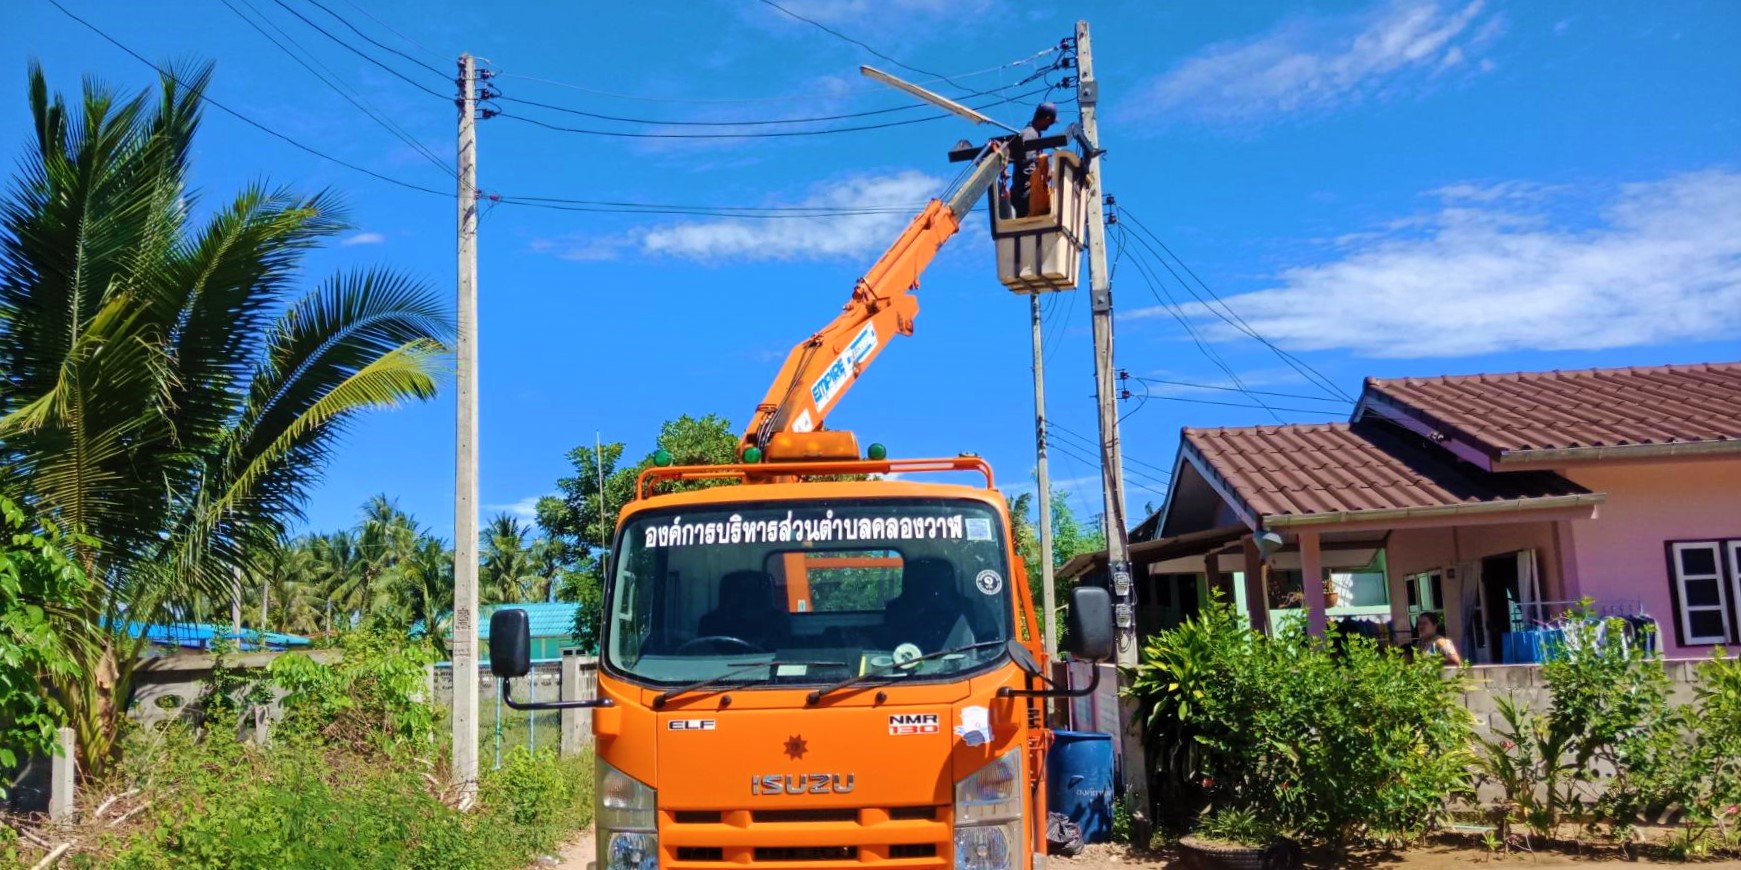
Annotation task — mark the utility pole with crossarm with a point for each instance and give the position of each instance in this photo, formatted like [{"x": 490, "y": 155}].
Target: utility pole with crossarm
[{"x": 1135, "y": 766}]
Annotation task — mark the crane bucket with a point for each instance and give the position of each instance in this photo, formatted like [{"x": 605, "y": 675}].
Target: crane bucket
[{"x": 1042, "y": 252}]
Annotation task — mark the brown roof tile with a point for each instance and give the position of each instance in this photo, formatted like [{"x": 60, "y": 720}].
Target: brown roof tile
[
  {"x": 1324, "y": 468},
  {"x": 1570, "y": 410}
]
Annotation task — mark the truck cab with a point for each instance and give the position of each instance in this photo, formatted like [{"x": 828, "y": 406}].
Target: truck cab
[{"x": 821, "y": 672}]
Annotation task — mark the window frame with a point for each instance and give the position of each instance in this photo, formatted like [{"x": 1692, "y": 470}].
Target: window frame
[{"x": 1725, "y": 554}]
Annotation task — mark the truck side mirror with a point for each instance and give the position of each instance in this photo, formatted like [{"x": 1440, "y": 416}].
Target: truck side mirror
[
  {"x": 1088, "y": 623},
  {"x": 510, "y": 644}
]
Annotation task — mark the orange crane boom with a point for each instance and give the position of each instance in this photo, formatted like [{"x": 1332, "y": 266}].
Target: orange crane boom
[{"x": 821, "y": 368}]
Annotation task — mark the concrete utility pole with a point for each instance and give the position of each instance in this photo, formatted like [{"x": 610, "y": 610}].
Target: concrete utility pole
[
  {"x": 1048, "y": 592},
  {"x": 465, "y": 492},
  {"x": 1136, "y": 768}
]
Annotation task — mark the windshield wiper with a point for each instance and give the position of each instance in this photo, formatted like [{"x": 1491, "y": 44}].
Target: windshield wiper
[
  {"x": 888, "y": 670},
  {"x": 720, "y": 679}
]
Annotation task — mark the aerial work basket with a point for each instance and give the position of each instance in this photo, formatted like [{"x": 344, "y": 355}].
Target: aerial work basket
[{"x": 1042, "y": 252}]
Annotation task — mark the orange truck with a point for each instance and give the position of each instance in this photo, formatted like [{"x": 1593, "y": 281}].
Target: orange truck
[{"x": 831, "y": 663}]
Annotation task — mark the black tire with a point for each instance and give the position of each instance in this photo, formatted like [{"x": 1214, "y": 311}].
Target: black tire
[{"x": 1216, "y": 855}]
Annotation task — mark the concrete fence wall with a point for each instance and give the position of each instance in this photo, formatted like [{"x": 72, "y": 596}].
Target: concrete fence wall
[{"x": 1524, "y": 684}]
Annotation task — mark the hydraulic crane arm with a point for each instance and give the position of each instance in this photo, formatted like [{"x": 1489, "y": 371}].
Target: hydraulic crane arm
[{"x": 821, "y": 369}]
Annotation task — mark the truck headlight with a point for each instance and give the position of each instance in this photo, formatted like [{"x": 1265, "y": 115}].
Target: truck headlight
[
  {"x": 988, "y": 815},
  {"x": 987, "y": 847},
  {"x": 992, "y": 793},
  {"x": 624, "y": 803},
  {"x": 631, "y": 851},
  {"x": 628, "y": 825}
]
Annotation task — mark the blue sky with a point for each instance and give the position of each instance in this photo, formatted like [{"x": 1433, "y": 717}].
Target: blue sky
[{"x": 1379, "y": 189}]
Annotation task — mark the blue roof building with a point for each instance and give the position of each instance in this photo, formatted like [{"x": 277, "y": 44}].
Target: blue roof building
[
  {"x": 551, "y": 623},
  {"x": 200, "y": 635}
]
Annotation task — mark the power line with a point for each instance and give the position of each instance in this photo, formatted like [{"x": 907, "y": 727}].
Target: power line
[
  {"x": 372, "y": 113},
  {"x": 902, "y": 208},
  {"x": 1092, "y": 444},
  {"x": 746, "y": 123},
  {"x": 1269, "y": 408},
  {"x": 1194, "y": 386},
  {"x": 698, "y": 211},
  {"x": 539, "y": 202},
  {"x": 241, "y": 117},
  {"x": 375, "y": 43},
  {"x": 1172, "y": 307},
  {"x": 746, "y": 100},
  {"x": 749, "y": 122},
  {"x": 365, "y": 55},
  {"x": 861, "y": 44},
  {"x": 1304, "y": 368},
  {"x": 771, "y": 134},
  {"x": 1076, "y": 455},
  {"x": 395, "y": 32},
  {"x": 1131, "y": 475}
]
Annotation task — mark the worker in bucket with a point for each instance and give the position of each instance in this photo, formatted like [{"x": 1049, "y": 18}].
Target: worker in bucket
[{"x": 1022, "y": 156}]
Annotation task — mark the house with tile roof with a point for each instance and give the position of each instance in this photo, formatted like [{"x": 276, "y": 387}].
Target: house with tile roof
[{"x": 1498, "y": 500}]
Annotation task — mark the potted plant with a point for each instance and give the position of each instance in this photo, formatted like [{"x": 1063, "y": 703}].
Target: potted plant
[{"x": 1236, "y": 839}]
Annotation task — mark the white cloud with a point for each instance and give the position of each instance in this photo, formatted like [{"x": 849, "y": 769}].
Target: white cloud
[
  {"x": 1661, "y": 262},
  {"x": 525, "y": 509},
  {"x": 852, "y": 235},
  {"x": 1309, "y": 65},
  {"x": 364, "y": 239}
]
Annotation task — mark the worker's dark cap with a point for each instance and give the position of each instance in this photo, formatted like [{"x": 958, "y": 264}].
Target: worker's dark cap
[{"x": 1046, "y": 109}]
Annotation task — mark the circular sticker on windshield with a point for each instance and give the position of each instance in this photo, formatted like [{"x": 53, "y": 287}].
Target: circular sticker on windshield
[
  {"x": 989, "y": 582},
  {"x": 906, "y": 652}
]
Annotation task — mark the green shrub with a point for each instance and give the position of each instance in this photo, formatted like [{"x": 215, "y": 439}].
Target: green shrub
[
  {"x": 353, "y": 778},
  {"x": 1610, "y": 750},
  {"x": 225, "y": 804},
  {"x": 369, "y": 701},
  {"x": 1336, "y": 740},
  {"x": 1703, "y": 779}
]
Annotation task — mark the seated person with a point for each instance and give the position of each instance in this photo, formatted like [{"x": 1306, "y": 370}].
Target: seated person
[
  {"x": 746, "y": 611},
  {"x": 930, "y": 612}
]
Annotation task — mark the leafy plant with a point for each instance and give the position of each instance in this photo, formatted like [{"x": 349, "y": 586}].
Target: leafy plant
[
  {"x": 36, "y": 580},
  {"x": 1239, "y": 826},
  {"x": 368, "y": 702},
  {"x": 169, "y": 393},
  {"x": 1529, "y": 760},
  {"x": 1335, "y": 739}
]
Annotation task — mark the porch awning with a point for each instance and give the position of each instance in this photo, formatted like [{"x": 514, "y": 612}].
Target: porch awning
[{"x": 1159, "y": 550}]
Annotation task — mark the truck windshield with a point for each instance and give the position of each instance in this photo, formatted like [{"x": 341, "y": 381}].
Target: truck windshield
[{"x": 821, "y": 591}]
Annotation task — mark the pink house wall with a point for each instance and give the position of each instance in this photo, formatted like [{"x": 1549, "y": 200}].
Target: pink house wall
[{"x": 1620, "y": 555}]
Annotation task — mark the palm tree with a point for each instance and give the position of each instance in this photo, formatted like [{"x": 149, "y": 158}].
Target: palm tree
[
  {"x": 288, "y": 577},
  {"x": 343, "y": 578},
  {"x": 166, "y": 390},
  {"x": 508, "y": 570}
]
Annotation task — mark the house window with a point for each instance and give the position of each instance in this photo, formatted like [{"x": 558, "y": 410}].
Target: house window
[{"x": 1701, "y": 589}]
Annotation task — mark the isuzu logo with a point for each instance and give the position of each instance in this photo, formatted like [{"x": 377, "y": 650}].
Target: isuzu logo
[{"x": 801, "y": 783}]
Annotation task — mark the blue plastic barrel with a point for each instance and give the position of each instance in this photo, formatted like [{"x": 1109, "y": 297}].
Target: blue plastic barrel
[{"x": 1079, "y": 781}]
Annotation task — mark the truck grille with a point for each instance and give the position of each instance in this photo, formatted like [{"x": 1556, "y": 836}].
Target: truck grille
[
  {"x": 893, "y": 837},
  {"x": 806, "y": 853}
]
